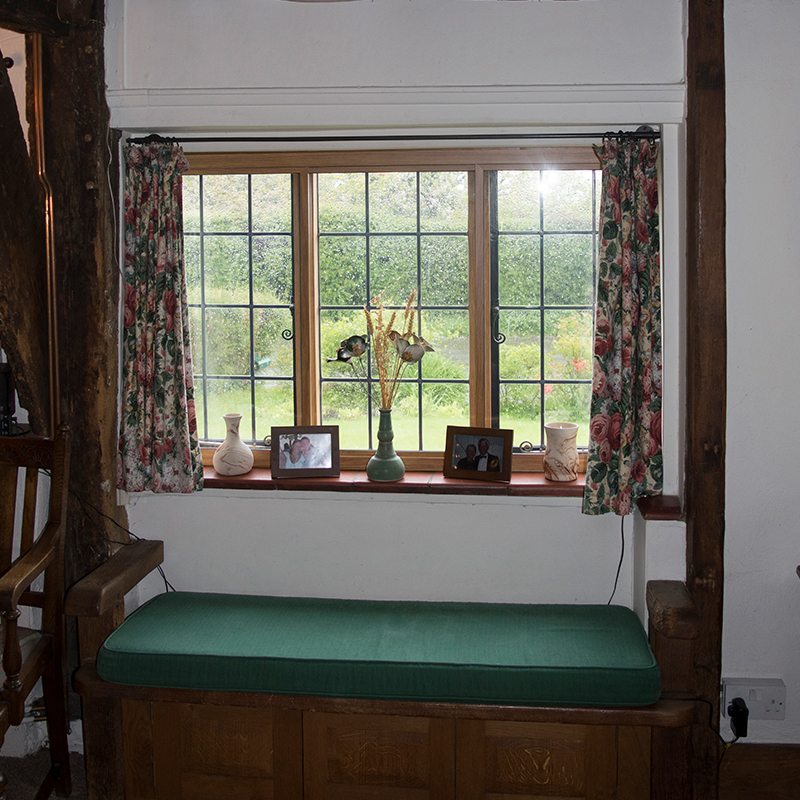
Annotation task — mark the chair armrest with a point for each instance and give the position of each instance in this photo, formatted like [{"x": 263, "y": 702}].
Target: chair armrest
[
  {"x": 24, "y": 571},
  {"x": 100, "y": 590},
  {"x": 672, "y": 611}
]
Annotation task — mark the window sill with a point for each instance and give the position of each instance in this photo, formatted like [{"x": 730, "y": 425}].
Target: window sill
[{"x": 522, "y": 484}]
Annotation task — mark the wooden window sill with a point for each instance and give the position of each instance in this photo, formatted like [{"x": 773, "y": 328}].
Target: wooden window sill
[{"x": 522, "y": 484}]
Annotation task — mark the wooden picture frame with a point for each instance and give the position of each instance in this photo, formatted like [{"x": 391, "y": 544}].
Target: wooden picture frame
[
  {"x": 305, "y": 451},
  {"x": 498, "y": 448}
]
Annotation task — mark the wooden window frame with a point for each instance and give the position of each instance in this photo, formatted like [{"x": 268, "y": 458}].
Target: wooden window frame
[{"x": 304, "y": 167}]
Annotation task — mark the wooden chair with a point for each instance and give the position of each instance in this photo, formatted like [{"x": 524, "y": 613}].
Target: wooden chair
[{"x": 31, "y": 551}]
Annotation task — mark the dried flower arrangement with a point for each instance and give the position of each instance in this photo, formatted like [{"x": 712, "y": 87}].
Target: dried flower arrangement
[{"x": 394, "y": 350}]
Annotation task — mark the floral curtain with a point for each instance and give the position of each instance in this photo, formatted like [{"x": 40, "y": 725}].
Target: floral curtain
[
  {"x": 625, "y": 459},
  {"x": 159, "y": 450}
]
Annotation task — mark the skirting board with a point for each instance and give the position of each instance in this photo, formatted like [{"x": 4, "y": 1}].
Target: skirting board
[{"x": 763, "y": 771}]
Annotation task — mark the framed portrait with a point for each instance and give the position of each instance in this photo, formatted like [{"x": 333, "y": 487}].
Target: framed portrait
[
  {"x": 481, "y": 454},
  {"x": 305, "y": 451}
]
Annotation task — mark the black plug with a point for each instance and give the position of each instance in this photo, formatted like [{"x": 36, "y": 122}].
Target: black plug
[{"x": 738, "y": 712}]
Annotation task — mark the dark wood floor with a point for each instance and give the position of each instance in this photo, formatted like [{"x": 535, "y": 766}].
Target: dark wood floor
[
  {"x": 25, "y": 774},
  {"x": 747, "y": 772}
]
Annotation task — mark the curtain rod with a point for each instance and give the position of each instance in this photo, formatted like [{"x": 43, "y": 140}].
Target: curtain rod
[{"x": 642, "y": 132}]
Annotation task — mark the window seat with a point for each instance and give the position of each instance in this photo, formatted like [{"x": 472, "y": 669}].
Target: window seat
[
  {"x": 445, "y": 701},
  {"x": 496, "y": 653}
]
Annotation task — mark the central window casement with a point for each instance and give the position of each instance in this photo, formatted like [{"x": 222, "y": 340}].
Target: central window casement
[{"x": 283, "y": 250}]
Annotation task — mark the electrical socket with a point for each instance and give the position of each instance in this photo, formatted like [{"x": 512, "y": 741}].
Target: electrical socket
[{"x": 765, "y": 697}]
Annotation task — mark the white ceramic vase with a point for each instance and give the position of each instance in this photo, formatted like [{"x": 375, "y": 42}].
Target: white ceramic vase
[
  {"x": 561, "y": 451},
  {"x": 233, "y": 456}
]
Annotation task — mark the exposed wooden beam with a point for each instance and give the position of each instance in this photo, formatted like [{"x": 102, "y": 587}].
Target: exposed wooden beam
[
  {"x": 80, "y": 161},
  {"x": 706, "y": 362},
  {"x": 33, "y": 16}
]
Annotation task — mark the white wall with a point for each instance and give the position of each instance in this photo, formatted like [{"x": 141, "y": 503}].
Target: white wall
[
  {"x": 399, "y": 63},
  {"x": 409, "y": 65},
  {"x": 426, "y": 65},
  {"x": 761, "y": 632}
]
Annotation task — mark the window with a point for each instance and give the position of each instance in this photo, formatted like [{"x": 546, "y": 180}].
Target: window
[{"x": 284, "y": 249}]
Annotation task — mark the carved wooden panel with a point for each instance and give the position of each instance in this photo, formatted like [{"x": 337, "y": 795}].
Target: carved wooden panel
[
  {"x": 530, "y": 761},
  {"x": 181, "y": 751},
  {"x": 138, "y": 736},
  {"x": 372, "y": 757},
  {"x": 633, "y": 762}
]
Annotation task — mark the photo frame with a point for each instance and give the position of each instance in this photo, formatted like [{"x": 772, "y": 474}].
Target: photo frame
[
  {"x": 464, "y": 447},
  {"x": 305, "y": 451}
]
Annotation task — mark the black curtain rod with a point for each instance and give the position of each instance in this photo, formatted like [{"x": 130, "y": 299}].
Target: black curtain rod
[{"x": 643, "y": 132}]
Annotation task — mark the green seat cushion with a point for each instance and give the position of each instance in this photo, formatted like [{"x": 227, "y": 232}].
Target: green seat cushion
[{"x": 446, "y": 652}]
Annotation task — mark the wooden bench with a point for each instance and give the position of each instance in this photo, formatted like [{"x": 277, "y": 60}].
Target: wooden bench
[{"x": 187, "y": 740}]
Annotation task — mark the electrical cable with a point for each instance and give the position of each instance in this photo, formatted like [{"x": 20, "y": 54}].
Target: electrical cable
[
  {"x": 621, "y": 557},
  {"x": 83, "y": 503}
]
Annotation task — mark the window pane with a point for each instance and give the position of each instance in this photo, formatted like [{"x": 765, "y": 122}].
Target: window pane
[
  {"x": 445, "y": 270},
  {"x": 196, "y": 334},
  {"x": 518, "y": 200},
  {"x": 336, "y": 326},
  {"x": 342, "y": 203},
  {"x": 191, "y": 261},
  {"x": 520, "y": 410},
  {"x": 272, "y": 203},
  {"x": 228, "y": 341},
  {"x": 569, "y": 403},
  {"x": 274, "y": 350},
  {"x": 191, "y": 203},
  {"x": 568, "y": 269},
  {"x": 443, "y": 404},
  {"x": 345, "y": 405},
  {"x": 392, "y": 202},
  {"x": 272, "y": 269},
  {"x": 225, "y": 206},
  {"x": 448, "y": 333},
  {"x": 228, "y": 397},
  {"x": 444, "y": 202},
  {"x": 518, "y": 271},
  {"x": 274, "y": 406},
  {"x": 227, "y": 269},
  {"x": 342, "y": 270},
  {"x": 568, "y": 345},
  {"x": 567, "y": 200},
  {"x": 522, "y": 330},
  {"x": 393, "y": 267},
  {"x": 405, "y": 418}
]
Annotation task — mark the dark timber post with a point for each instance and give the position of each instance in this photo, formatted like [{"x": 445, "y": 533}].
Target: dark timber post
[{"x": 706, "y": 363}]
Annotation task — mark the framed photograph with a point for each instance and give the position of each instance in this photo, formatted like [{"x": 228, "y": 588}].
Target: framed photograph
[
  {"x": 305, "y": 451},
  {"x": 481, "y": 454}
]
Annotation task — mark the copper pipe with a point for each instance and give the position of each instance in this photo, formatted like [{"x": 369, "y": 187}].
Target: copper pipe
[{"x": 38, "y": 156}]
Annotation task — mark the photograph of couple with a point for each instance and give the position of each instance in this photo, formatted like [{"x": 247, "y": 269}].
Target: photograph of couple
[{"x": 480, "y": 456}]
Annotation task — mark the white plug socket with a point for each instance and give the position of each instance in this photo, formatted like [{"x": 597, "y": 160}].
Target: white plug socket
[{"x": 765, "y": 697}]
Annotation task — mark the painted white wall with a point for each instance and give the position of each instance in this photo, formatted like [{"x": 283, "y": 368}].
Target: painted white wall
[
  {"x": 440, "y": 63},
  {"x": 761, "y": 633},
  {"x": 404, "y": 64},
  {"x": 269, "y": 66}
]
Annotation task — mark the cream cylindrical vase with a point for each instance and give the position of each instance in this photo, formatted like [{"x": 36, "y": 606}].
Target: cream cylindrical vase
[
  {"x": 561, "y": 452},
  {"x": 233, "y": 456}
]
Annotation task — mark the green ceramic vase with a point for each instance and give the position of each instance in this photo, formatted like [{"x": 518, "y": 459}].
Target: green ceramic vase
[{"x": 385, "y": 465}]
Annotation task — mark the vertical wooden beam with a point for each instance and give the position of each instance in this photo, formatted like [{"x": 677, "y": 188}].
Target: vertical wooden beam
[
  {"x": 80, "y": 156},
  {"x": 706, "y": 363}
]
